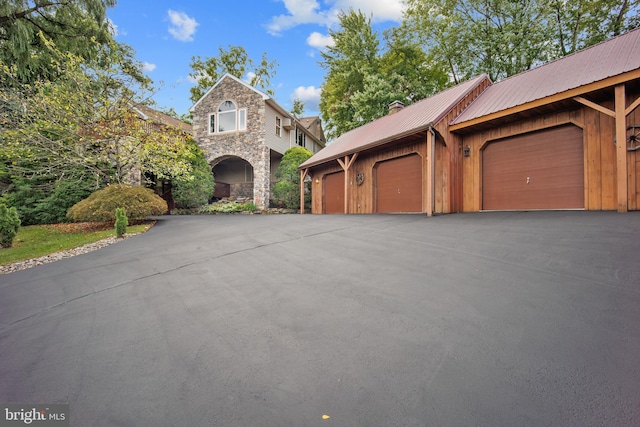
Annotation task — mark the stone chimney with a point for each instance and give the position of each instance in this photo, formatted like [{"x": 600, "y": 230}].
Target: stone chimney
[{"x": 395, "y": 106}]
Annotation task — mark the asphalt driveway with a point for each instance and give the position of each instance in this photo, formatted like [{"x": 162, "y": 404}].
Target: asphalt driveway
[{"x": 490, "y": 319}]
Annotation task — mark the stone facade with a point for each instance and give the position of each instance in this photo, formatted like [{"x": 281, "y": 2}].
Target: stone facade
[{"x": 248, "y": 144}]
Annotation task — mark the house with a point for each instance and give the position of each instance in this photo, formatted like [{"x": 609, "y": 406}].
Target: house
[
  {"x": 244, "y": 133},
  {"x": 560, "y": 136}
]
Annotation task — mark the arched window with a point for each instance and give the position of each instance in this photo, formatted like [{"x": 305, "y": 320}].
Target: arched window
[{"x": 229, "y": 118}]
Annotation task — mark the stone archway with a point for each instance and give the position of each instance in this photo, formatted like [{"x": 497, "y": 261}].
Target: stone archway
[{"x": 234, "y": 178}]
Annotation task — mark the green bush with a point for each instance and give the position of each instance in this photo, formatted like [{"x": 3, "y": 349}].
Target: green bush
[
  {"x": 229, "y": 207},
  {"x": 121, "y": 222},
  {"x": 9, "y": 225},
  {"x": 138, "y": 202},
  {"x": 195, "y": 190},
  {"x": 286, "y": 192},
  {"x": 46, "y": 201}
]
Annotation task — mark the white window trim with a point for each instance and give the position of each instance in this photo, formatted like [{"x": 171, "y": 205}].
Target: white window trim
[
  {"x": 278, "y": 126},
  {"x": 241, "y": 125}
]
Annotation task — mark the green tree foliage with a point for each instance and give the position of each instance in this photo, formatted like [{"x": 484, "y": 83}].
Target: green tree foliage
[
  {"x": 362, "y": 79},
  {"x": 503, "y": 37},
  {"x": 235, "y": 61},
  {"x": 298, "y": 108},
  {"x": 286, "y": 191},
  {"x": 194, "y": 190},
  {"x": 9, "y": 225},
  {"x": 79, "y": 129},
  {"x": 137, "y": 201},
  {"x": 121, "y": 222},
  {"x": 75, "y": 26}
]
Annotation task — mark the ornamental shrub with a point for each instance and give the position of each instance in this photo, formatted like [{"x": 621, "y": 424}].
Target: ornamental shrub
[
  {"x": 121, "y": 222},
  {"x": 9, "y": 225},
  {"x": 138, "y": 202}
]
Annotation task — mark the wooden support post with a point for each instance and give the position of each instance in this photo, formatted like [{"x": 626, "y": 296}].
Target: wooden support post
[
  {"x": 346, "y": 164},
  {"x": 621, "y": 147},
  {"x": 303, "y": 175},
  {"x": 430, "y": 170}
]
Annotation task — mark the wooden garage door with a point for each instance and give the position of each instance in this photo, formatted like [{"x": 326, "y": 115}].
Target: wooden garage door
[
  {"x": 399, "y": 185},
  {"x": 334, "y": 193},
  {"x": 541, "y": 170}
]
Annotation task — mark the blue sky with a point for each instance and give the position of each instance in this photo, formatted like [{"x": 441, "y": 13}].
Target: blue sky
[{"x": 166, "y": 34}]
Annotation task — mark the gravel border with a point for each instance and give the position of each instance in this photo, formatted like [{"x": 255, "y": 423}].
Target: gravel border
[{"x": 57, "y": 256}]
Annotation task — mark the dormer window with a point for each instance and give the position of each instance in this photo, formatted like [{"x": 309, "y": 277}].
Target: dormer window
[{"x": 228, "y": 118}]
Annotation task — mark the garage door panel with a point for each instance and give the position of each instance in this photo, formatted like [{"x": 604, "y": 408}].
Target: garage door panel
[
  {"x": 542, "y": 170},
  {"x": 334, "y": 193},
  {"x": 399, "y": 185}
]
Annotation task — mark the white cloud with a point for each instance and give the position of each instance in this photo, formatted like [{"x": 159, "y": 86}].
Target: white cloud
[
  {"x": 310, "y": 95},
  {"x": 148, "y": 67},
  {"x": 320, "y": 41},
  {"x": 182, "y": 27},
  {"x": 310, "y": 12},
  {"x": 112, "y": 27}
]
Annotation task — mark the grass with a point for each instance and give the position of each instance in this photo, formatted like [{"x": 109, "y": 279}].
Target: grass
[{"x": 38, "y": 240}]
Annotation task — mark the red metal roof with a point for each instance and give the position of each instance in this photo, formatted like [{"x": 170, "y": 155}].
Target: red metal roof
[
  {"x": 607, "y": 59},
  {"x": 414, "y": 118}
]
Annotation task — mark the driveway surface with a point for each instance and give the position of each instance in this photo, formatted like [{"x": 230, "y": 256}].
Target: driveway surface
[{"x": 489, "y": 319}]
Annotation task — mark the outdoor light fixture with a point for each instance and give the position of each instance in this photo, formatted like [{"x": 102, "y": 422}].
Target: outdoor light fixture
[{"x": 467, "y": 151}]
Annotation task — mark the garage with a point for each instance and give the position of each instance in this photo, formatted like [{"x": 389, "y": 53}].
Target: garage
[
  {"x": 540, "y": 170},
  {"x": 334, "y": 193},
  {"x": 399, "y": 185}
]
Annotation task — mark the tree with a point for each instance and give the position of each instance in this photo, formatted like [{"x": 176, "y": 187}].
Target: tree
[
  {"x": 503, "y": 37},
  {"x": 298, "y": 108},
  {"x": 75, "y": 26},
  {"x": 196, "y": 189},
  {"x": 362, "y": 79},
  {"x": 353, "y": 57},
  {"x": 80, "y": 128},
  {"x": 286, "y": 191},
  {"x": 236, "y": 61}
]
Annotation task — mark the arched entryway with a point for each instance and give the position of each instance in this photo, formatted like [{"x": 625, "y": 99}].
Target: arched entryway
[{"x": 234, "y": 178}]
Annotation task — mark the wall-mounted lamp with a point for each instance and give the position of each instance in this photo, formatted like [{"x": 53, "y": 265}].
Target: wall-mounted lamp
[
  {"x": 467, "y": 151},
  {"x": 317, "y": 180}
]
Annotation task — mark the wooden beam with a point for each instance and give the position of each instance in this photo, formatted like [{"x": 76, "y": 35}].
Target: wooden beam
[
  {"x": 303, "y": 175},
  {"x": 632, "y": 107},
  {"x": 621, "y": 147},
  {"x": 595, "y": 106},
  {"x": 430, "y": 170},
  {"x": 345, "y": 165}
]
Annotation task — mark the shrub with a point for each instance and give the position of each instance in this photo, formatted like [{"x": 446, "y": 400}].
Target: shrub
[
  {"x": 121, "y": 222},
  {"x": 229, "y": 207},
  {"x": 9, "y": 225},
  {"x": 138, "y": 202},
  {"x": 287, "y": 190},
  {"x": 194, "y": 191}
]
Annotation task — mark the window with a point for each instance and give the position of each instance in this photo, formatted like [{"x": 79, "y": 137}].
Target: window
[
  {"x": 212, "y": 123},
  {"x": 301, "y": 138},
  {"x": 242, "y": 119},
  {"x": 229, "y": 118},
  {"x": 278, "y": 125}
]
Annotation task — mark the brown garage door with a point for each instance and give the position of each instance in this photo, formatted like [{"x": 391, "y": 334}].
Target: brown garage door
[
  {"x": 399, "y": 185},
  {"x": 541, "y": 170},
  {"x": 334, "y": 193}
]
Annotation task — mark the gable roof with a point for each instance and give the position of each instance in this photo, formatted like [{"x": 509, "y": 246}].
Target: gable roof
[
  {"x": 593, "y": 64},
  {"x": 148, "y": 113},
  {"x": 229, "y": 76},
  {"x": 414, "y": 118}
]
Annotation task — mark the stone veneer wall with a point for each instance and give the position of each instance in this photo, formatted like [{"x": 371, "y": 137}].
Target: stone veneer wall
[{"x": 249, "y": 145}]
